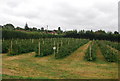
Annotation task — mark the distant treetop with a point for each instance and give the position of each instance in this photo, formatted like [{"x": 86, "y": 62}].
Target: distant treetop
[{"x": 26, "y": 27}]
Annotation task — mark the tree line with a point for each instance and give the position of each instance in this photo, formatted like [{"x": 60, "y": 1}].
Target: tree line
[
  {"x": 97, "y": 35},
  {"x": 29, "y": 29},
  {"x": 9, "y": 32}
]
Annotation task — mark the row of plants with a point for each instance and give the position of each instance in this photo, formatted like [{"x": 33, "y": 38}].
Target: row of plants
[
  {"x": 68, "y": 48},
  {"x": 90, "y": 54},
  {"x": 5, "y": 46},
  {"x": 15, "y": 47},
  {"x": 59, "y": 47},
  {"x": 19, "y": 46},
  {"x": 115, "y": 45},
  {"x": 42, "y": 47},
  {"x": 110, "y": 55}
]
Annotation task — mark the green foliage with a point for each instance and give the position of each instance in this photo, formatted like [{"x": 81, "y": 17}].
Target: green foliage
[
  {"x": 17, "y": 47},
  {"x": 90, "y": 54},
  {"x": 115, "y": 45},
  {"x": 5, "y": 46},
  {"x": 9, "y": 27},
  {"x": 45, "y": 48},
  {"x": 70, "y": 46},
  {"x": 64, "y": 47},
  {"x": 110, "y": 55},
  {"x": 7, "y": 34}
]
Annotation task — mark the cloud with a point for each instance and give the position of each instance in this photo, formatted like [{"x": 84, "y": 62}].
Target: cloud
[{"x": 68, "y": 14}]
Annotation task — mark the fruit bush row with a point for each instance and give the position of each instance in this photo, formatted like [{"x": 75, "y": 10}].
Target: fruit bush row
[
  {"x": 90, "y": 54},
  {"x": 70, "y": 47},
  {"x": 110, "y": 55},
  {"x": 115, "y": 45}
]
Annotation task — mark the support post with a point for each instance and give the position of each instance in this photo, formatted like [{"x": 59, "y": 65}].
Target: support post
[
  {"x": 39, "y": 49},
  {"x": 11, "y": 46}
]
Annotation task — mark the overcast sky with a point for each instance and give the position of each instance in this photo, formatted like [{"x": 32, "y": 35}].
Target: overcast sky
[{"x": 67, "y": 14}]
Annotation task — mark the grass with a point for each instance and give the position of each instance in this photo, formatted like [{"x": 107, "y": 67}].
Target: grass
[
  {"x": 20, "y": 77},
  {"x": 72, "y": 67}
]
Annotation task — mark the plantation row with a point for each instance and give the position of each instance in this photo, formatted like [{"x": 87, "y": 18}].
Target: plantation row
[
  {"x": 110, "y": 55},
  {"x": 115, "y": 45},
  {"x": 59, "y": 47},
  {"x": 90, "y": 54}
]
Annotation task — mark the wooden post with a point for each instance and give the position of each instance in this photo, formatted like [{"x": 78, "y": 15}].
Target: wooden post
[
  {"x": 3, "y": 39},
  {"x": 16, "y": 41},
  {"x": 57, "y": 47},
  {"x": 68, "y": 42},
  {"x": 32, "y": 40},
  {"x": 61, "y": 43},
  {"x": 54, "y": 49},
  {"x": 90, "y": 53},
  {"x": 39, "y": 49},
  {"x": 43, "y": 41},
  {"x": 11, "y": 46}
]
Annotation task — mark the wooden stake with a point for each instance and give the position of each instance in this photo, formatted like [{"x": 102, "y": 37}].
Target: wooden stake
[
  {"x": 68, "y": 42},
  {"x": 39, "y": 48},
  {"x": 3, "y": 39},
  {"x": 61, "y": 43},
  {"x": 43, "y": 41},
  {"x": 90, "y": 53},
  {"x": 54, "y": 49},
  {"x": 11, "y": 46},
  {"x": 16, "y": 41},
  {"x": 57, "y": 47},
  {"x": 32, "y": 40}
]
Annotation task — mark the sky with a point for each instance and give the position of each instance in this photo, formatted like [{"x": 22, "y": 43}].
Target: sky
[{"x": 67, "y": 14}]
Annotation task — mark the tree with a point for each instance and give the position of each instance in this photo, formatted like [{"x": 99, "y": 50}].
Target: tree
[
  {"x": 39, "y": 30},
  {"x": 59, "y": 30},
  {"x": 109, "y": 33},
  {"x": 18, "y": 28},
  {"x": 34, "y": 29},
  {"x": 26, "y": 27},
  {"x": 31, "y": 29},
  {"x": 72, "y": 33},
  {"x": 100, "y": 32},
  {"x": 81, "y": 31},
  {"x": 42, "y": 29},
  {"x": 9, "y": 27},
  {"x": 116, "y": 32}
]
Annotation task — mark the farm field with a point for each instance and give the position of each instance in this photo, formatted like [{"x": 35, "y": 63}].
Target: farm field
[
  {"x": 72, "y": 59},
  {"x": 60, "y": 40}
]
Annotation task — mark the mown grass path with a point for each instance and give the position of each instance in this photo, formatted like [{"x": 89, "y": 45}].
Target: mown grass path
[
  {"x": 71, "y": 67},
  {"x": 100, "y": 56}
]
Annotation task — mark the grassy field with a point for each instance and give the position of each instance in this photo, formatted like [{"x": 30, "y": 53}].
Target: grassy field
[{"x": 26, "y": 66}]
